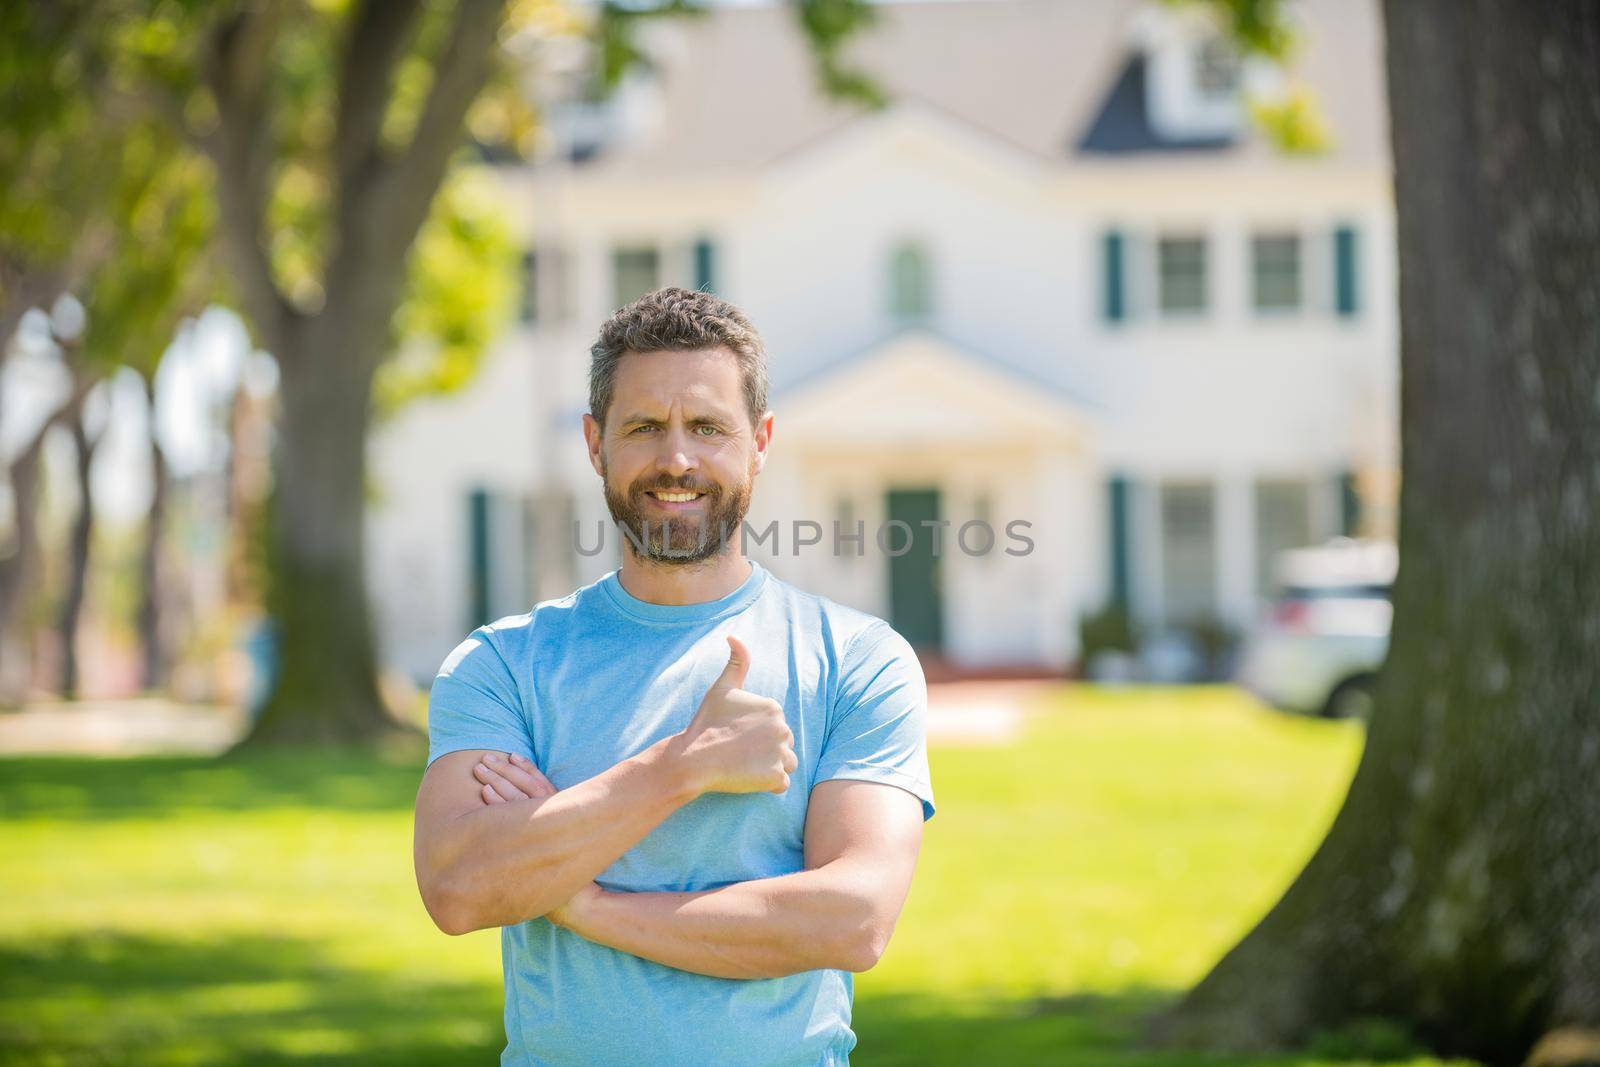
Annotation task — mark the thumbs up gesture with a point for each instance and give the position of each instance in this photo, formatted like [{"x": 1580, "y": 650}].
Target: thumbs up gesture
[{"x": 738, "y": 742}]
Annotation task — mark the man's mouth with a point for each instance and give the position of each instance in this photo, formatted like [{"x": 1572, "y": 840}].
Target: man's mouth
[{"x": 675, "y": 496}]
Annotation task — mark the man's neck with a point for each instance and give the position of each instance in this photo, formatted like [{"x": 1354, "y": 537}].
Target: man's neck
[{"x": 683, "y": 583}]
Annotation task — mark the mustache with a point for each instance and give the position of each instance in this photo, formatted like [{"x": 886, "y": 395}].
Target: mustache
[{"x": 677, "y": 487}]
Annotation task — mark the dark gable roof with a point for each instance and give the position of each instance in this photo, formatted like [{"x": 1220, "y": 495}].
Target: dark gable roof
[{"x": 1122, "y": 123}]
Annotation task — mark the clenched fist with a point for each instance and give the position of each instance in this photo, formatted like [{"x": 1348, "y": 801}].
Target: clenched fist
[{"x": 738, "y": 742}]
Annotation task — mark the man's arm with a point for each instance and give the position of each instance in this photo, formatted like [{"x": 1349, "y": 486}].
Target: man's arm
[
  {"x": 484, "y": 865},
  {"x": 861, "y": 845},
  {"x": 481, "y": 865}
]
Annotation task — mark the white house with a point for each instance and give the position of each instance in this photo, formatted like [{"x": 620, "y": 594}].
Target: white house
[{"x": 1060, "y": 280}]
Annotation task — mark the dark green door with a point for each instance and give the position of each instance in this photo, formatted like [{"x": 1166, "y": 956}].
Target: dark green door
[{"x": 914, "y": 594}]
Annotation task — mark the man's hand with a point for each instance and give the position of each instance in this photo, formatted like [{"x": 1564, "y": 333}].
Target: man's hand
[
  {"x": 738, "y": 742},
  {"x": 509, "y": 776}
]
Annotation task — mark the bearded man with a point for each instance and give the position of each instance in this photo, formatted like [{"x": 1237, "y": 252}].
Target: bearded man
[{"x": 691, "y": 795}]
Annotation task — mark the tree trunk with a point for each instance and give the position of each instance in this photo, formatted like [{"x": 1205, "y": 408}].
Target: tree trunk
[
  {"x": 18, "y": 570},
  {"x": 326, "y": 682},
  {"x": 153, "y": 672},
  {"x": 78, "y": 545},
  {"x": 17, "y": 573},
  {"x": 1458, "y": 891}
]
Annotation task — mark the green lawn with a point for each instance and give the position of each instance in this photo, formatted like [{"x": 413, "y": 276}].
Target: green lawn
[{"x": 262, "y": 911}]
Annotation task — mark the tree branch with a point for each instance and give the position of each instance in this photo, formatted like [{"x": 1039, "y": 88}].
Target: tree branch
[
  {"x": 379, "y": 35},
  {"x": 376, "y": 229},
  {"x": 237, "y": 71}
]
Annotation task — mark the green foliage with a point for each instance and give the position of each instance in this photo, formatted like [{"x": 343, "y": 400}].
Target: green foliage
[
  {"x": 1293, "y": 123},
  {"x": 58, "y": 176},
  {"x": 1292, "y": 120},
  {"x": 100, "y": 193},
  {"x": 1108, "y": 630},
  {"x": 463, "y": 288},
  {"x": 164, "y": 218},
  {"x": 1256, "y": 27},
  {"x": 616, "y": 36},
  {"x": 829, "y": 25},
  {"x": 1366, "y": 1039}
]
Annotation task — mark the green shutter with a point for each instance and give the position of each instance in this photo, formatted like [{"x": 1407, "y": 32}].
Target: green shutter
[
  {"x": 1116, "y": 305},
  {"x": 705, "y": 266},
  {"x": 1349, "y": 505},
  {"x": 1121, "y": 563},
  {"x": 1344, "y": 271},
  {"x": 478, "y": 546}
]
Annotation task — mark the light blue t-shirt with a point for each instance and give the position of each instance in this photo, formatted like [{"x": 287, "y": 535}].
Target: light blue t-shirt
[{"x": 582, "y": 683}]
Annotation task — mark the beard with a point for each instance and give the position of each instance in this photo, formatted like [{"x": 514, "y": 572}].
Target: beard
[{"x": 677, "y": 539}]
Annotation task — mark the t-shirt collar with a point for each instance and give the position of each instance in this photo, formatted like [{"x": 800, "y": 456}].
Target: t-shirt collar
[{"x": 704, "y": 611}]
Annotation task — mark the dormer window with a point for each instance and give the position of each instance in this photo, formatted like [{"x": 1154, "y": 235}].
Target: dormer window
[
  {"x": 1192, "y": 87},
  {"x": 1216, "y": 69}
]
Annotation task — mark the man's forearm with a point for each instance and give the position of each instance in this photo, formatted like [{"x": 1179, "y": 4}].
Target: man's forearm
[
  {"x": 502, "y": 864},
  {"x": 764, "y": 928}
]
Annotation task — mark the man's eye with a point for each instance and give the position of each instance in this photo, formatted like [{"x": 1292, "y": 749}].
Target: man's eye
[{"x": 641, "y": 429}]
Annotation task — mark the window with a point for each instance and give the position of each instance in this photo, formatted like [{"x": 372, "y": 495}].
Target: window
[
  {"x": 529, "y": 310},
  {"x": 1216, "y": 69},
  {"x": 635, "y": 271},
  {"x": 1182, "y": 274},
  {"x": 910, "y": 282},
  {"x": 1188, "y": 553},
  {"x": 1283, "y": 521},
  {"x": 1275, "y": 261}
]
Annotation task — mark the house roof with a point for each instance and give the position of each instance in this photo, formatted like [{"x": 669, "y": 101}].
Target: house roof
[
  {"x": 1123, "y": 121},
  {"x": 737, "y": 88},
  {"x": 940, "y": 392}
]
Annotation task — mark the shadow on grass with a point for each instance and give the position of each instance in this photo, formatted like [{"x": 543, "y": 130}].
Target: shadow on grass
[
  {"x": 1083, "y": 1030},
  {"x": 120, "y": 999},
  {"x": 159, "y": 786}
]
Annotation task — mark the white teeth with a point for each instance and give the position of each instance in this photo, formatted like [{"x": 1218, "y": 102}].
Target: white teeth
[{"x": 676, "y": 498}]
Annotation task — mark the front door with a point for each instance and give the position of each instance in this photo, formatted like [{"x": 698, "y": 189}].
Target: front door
[{"x": 914, "y": 589}]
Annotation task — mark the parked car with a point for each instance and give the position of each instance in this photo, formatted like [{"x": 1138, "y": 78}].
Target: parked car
[{"x": 1319, "y": 645}]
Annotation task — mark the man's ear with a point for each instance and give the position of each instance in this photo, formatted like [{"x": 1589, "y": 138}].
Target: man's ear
[
  {"x": 763, "y": 439},
  {"x": 592, "y": 439}
]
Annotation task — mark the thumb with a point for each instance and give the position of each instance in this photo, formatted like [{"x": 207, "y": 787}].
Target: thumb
[{"x": 733, "y": 675}]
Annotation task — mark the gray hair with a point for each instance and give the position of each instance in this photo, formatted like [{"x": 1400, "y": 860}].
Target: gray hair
[{"x": 677, "y": 320}]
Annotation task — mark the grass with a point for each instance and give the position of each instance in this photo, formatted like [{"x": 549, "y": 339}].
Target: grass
[{"x": 262, "y": 910}]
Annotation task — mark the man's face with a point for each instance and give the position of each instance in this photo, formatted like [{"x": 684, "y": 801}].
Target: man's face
[{"x": 678, "y": 454}]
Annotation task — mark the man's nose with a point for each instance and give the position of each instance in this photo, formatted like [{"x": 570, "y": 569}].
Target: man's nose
[{"x": 677, "y": 454}]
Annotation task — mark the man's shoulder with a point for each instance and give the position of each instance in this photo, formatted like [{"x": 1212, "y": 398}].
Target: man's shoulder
[
  {"x": 512, "y": 633},
  {"x": 850, "y": 631}
]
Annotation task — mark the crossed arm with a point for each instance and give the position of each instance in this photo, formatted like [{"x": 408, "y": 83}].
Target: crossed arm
[{"x": 861, "y": 845}]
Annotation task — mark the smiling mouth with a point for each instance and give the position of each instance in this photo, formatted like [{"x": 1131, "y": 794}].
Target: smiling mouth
[{"x": 675, "y": 496}]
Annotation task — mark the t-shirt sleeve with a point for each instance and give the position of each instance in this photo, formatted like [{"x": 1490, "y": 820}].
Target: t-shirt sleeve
[
  {"x": 877, "y": 731},
  {"x": 474, "y": 702}
]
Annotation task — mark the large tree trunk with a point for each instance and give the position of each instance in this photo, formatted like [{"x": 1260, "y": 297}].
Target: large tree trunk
[
  {"x": 326, "y": 685},
  {"x": 1458, "y": 891}
]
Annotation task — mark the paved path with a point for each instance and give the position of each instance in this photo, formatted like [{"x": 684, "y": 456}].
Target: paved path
[
  {"x": 980, "y": 713},
  {"x": 960, "y": 713},
  {"x": 118, "y": 728}
]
